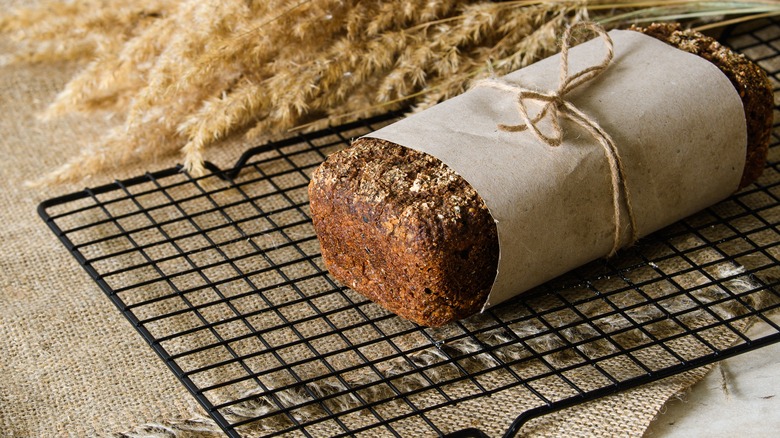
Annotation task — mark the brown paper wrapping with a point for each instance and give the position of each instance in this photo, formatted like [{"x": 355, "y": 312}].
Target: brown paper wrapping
[{"x": 677, "y": 122}]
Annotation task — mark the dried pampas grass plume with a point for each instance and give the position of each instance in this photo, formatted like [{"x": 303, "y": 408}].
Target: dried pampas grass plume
[{"x": 184, "y": 74}]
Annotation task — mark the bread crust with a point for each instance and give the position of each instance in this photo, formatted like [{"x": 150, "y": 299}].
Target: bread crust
[{"x": 403, "y": 229}]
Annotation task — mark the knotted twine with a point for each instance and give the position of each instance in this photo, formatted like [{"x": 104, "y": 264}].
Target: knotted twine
[{"x": 556, "y": 106}]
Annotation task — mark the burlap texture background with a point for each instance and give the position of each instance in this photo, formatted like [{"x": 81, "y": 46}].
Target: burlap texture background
[{"x": 72, "y": 366}]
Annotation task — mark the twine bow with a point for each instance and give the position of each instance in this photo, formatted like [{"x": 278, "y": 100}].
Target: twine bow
[{"x": 556, "y": 106}]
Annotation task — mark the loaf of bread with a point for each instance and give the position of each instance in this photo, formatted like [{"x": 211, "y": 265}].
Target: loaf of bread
[{"x": 401, "y": 228}]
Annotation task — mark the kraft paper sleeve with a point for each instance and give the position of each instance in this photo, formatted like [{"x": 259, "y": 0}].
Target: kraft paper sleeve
[{"x": 676, "y": 120}]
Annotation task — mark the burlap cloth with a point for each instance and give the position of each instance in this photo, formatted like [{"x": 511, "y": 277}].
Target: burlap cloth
[{"x": 73, "y": 366}]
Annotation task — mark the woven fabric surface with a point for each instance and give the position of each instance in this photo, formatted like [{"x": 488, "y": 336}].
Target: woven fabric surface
[{"x": 73, "y": 366}]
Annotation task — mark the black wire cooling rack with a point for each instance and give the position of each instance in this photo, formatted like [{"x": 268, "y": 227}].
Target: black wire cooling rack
[{"x": 222, "y": 276}]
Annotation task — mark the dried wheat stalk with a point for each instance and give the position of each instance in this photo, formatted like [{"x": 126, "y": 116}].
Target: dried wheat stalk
[{"x": 186, "y": 73}]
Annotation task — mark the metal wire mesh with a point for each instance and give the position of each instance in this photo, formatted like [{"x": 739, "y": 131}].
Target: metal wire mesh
[{"x": 222, "y": 276}]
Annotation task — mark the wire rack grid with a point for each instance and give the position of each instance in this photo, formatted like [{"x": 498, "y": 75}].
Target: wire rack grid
[{"x": 222, "y": 276}]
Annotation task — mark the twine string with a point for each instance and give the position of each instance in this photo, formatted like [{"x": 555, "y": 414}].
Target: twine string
[{"x": 556, "y": 107}]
